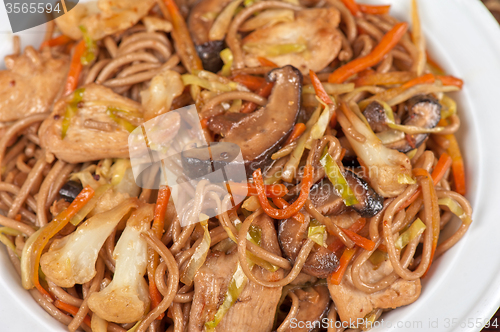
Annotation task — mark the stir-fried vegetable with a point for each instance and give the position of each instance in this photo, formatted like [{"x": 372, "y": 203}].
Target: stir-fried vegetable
[
  {"x": 455, "y": 208},
  {"x": 157, "y": 228},
  {"x": 360, "y": 241},
  {"x": 418, "y": 39},
  {"x": 72, "y": 260},
  {"x": 263, "y": 91},
  {"x": 450, "y": 107},
  {"x": 298, "y": 130},
  {"x": 396, "y": 77},
  {"x": 317, "y": 232},
  {"x": 344, "y": 261},
  {"x": 236, "y": 286},
  {"x": 416, "y": 228},
  {"x": 71, "y": 310},
  {"x": 75, "y": 68},
  {"x": 57, "y": 41},
  {"x": 87, "y": 208},
  {"x": 374, "y": 10},
  {"x": 274, "y": 50},
  {"x": 90, "y": 47},
  {"x": 406, "y": 129},
  {"x": 5, "y": 240},
  {"x": 282, "y": 204},
  {"x": 71, "y": 111},
  {"x": 41, "y": 239},
  {"x": 251, "y": 82},
  {"x": 385, "y": 45},
  {"x": 457, "y": 164},
  {"x": 182, "y": 37},
  {"x": 223, "y": 20},
  {"x": 378, "y": 257},
  {"x": 198, "y": 258},
  {"x": 338, "y": 180},
  {"x": 227, "y": 57},
  {"x": 307, "y": 182}
]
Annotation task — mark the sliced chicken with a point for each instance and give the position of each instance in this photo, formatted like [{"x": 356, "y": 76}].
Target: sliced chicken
[
  {"x": 103, "y": 18},
  {"x": 313, "y": 32},
  {"x": 92, "y": 133},
  {"x": 352, "y": 303},
  {"x": 30, "y": 84},
  {"x": 256, "y": 306}
]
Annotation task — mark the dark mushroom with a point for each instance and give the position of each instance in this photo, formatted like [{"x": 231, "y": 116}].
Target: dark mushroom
[
  {"x": 327, "y": 200},
  {"x": 313, "y": 306},
  {"x": 263, "y": 132},
  {"x": 321, "y": 261},
  {"x": 350, "y": 158},
  {"x": 199, "y": 162},
  {"x": 423, "y": 111},
  {"x": 70, "y": 190},
  {"x": 201, "y": 19}
]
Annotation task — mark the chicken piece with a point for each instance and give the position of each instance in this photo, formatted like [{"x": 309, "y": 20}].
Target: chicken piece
[
  {"x": 103, "y": 18},
  {"x": 256, "y": 306},
  {"x": 31, "y": 83},
  {"x": 352, "y": 303},
  {"x": 104, "y": 138},
  {"x": 316, "y": 29}
]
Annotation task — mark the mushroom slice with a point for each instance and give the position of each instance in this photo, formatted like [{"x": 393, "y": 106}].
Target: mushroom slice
[
  {"x": 327, "y": 200},
  {"x": 424, "y": 111},
  {"x": 321, "y": 261},
  {"x": 313, "y": 305},
  {"x": 200, "y": 20},
  {"x": 264, "y": 131}
]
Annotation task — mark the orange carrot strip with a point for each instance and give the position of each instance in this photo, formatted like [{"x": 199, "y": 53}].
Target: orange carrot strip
[
  {"x": 397, "y": 77},
  {"x": 75, "y": 68},
  {"x": 204, "y": 123},
  {"x": 450, "y": 80},
  {"x": 387, "y": 43},
  {"x": 250, "y": 189},
  {"x": 298, "y": 130},
  {"x": 263, "y": 91},
  {"x": 57, "y": 41},
  {"x": 282, "y": 204},
  {"x": 375, "y": 10},
  {"x": 266, "y": 63},
  {"x": 251, "y": 82},
  {"x": 52, "y": 228},
  {"x": 158, "y": 228},
  {"x": 358, "y": 225},
  {"x": 71, "y": 310},
  {"x": 344, "y": 261},
  {"x": 457, "y": 164},
  {"x": 182, "y": 37},
  {"x": 352, "y": 6},
  {"x": 424, "y": 79},
  {"x": 360, "y": 241},
  {"x": 307, "y": 182},
  {"x": 319, "y": 89}
]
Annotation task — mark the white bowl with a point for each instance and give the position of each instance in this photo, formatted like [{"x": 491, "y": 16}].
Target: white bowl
[{"x": 462, "y": 290}]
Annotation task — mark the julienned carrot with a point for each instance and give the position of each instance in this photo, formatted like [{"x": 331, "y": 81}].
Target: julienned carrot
[
  {"x": 375, "y": 10},
  {"x": 424, "y": 79},
  {"x": 71, "y": 310},
  {"x": 263, "y": 91},
  {"x": 307, "y": 182},
  {"x": 298, "y": 130},
  {"x": 204, "y": 123},
  {"x": 450, "y": 80},
  {"x": 266, "y": 62},
  {"x": 352, "y": 6},
  {"x": 282, "y": 204},
  {"x": 358, "y": 225},
  {"x": 360, "y": 241},
  {"x": 157, "y": 228},
  {"x": 251, "y": 82},
  {"x": 250, "y": 189},
  {"x": 319, "y": 89},
  {"x": 57, "y": 41},
  {"x": 386, "y": 44},
  {"x": 397, "y": 77},
  {"x": 52, "y": 228},
  {"x": 182, "y": 37},
  {"x": 444, "y": 162},
  {"x": 457, "y": 164},
  {"x": 75, "y": 68},
  {"x": 344, "y": 261}
]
